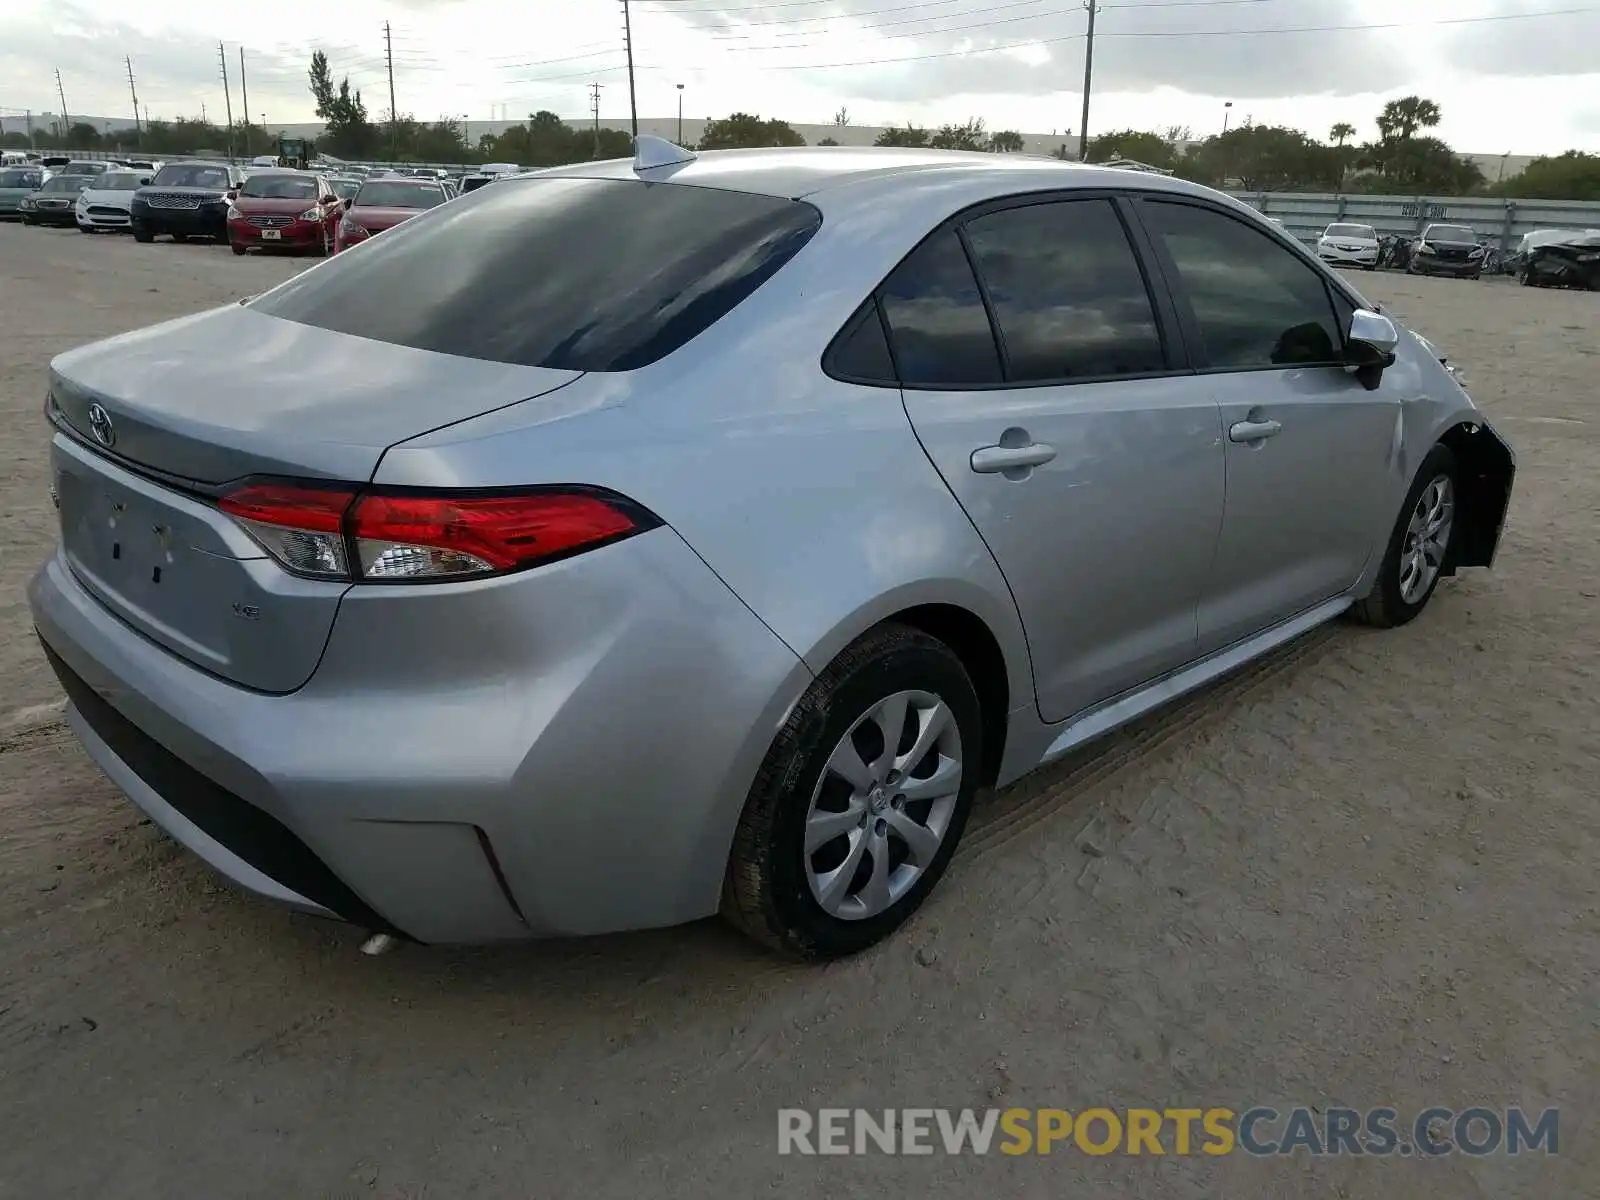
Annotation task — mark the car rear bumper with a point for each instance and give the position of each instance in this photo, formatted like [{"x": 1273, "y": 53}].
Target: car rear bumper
[{"x": 564, "y": 751}]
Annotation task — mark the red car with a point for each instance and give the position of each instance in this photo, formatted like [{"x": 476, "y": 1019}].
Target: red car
[
  {"x": 383, "y": 203},
  {"x": 284, "y": 210}
]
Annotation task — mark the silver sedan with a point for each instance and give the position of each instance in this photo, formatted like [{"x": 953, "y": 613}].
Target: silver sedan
[{"x": 637, "y": 540}]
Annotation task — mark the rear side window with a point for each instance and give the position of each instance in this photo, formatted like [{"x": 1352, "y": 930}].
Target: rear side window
[
  {"x": 936, "y": 317},
  {"x": 860, "y": 354},
  {"x": 1257, "y": 303},
  {"x": 1067, "y": 292},
  {"x": 575, "y": 274}
]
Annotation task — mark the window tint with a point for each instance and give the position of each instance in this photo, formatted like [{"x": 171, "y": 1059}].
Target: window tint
[
  {"x": 1066, "y": 291},
  {"x": 280, "y": 187},
  {"x": 398, "y": 193},
  {"x": 197, "y": 175},
  {"x": 861, "y": 351},
  {"x": 1257, "y": 303},
  {"x": 577, "y": 274},
  {"x": 937, "y": 319}
]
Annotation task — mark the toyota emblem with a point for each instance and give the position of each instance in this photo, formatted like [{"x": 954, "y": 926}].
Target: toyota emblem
[{"x": 100, "y": 425}]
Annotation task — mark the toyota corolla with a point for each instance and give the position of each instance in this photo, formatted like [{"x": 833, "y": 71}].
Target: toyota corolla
[{"x": 634, "y": 541}]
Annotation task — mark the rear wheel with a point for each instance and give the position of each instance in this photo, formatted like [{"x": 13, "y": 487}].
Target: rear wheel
[
  {"x": 1418, "y": 548},
  {"x": 861, "y": 800}
]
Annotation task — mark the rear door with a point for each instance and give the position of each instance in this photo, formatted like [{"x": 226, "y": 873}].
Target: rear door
[
  {"x": 1043, "y": 381},
  {"x": 1308, "y": 447}
]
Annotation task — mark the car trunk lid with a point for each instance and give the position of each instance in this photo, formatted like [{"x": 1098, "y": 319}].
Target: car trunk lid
[
  {"x": 154, "y": 422},
  {"x": 378, "y": 218}
]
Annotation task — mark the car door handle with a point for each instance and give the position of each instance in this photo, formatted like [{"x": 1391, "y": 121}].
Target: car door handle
[
  {"x": 1252, "y": 431},
  {"x": 992, "y": 459}
]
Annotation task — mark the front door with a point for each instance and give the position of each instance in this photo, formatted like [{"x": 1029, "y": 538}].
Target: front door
[
  {"x": 1089, "y": 463},
  {"x": 1309, "y": 449}
]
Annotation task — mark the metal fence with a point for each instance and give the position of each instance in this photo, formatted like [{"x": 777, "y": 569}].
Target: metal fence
[{"x": 1307, "y": 214}]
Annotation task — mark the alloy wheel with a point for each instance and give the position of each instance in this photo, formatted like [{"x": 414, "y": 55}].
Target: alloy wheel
[
  {"x": 1427, "y": 538},
  {"x": 883, "y": 805}
]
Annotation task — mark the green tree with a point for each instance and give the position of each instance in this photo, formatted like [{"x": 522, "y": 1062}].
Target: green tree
[
  {"x": 969, "y": 135},
  {"x": 1006, "y": 141},
  {"x": 746, "y": 131},
  {"x": 1262, "y": 158},
  {"x": 1400, "y": 119},
  {"x": 1149, "y": 148},
  {"x": 1341, "y": 133},
  {"x": 349, "y": 134},
  {"x": 911, "y": 135},
  {"x": 826, "y": 142},
  {"x": 1574, "y": 175}
]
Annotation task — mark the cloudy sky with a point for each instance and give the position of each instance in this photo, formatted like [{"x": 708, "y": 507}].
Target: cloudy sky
[{"x": 1510, "y": 75}]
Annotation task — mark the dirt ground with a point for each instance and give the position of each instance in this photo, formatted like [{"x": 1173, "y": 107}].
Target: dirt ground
[{"x": 1362, "y": 873}]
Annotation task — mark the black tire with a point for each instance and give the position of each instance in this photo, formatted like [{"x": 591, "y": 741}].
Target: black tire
[
  {"x": 143, "y": 236},
  {"x": 237, "y": 248},
  {"x": 1384, "y": 607},
  {"x": 29, "y": 221},
  {"x": 766, "y": 892},
  {"x": 180, "y": 238},
  {"x": 221, "y": 238},
  {"x": 84, "y": 229}
]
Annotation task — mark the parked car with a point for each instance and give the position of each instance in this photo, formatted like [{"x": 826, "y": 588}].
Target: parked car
[
  {"x": 186, "y": 199},
  {"x": 284, "y": 210},
  {"x": 1447, "y": 250},
  {"x": 53, "y": 203},
  {"x": 382, "y": 204},
  {"x": 476, "y": 180},
  {"x": 17, "y": 183},
  {"x": 1349, "y": 243},
  {"x": 55, "y": 161},
  {"x": 88, "y": 166},
  {"x": 108, "y": 201},
  {"x": 418, "y": 556},
  {"x": 1571, "y": 261}
]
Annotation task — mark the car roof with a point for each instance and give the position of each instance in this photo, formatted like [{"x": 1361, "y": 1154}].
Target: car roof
[{"x": 800, "y": 172}]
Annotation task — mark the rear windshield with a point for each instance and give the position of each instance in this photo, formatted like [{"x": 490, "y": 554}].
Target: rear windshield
[
  {"x": 192, "y": 175},
  {"x": 400, "y": 193},
  {"x": 86, "y": 168},
  {"x": 280, "y": 187},
  {"x": 20, "y": 179},
  {"x": 1351, "y": 231},
  {"x": 1451, "y": 233},
  {"x": 575, "y": 274}
]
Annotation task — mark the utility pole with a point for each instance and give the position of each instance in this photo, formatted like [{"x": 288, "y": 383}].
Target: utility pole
[
  {"x": 227, "y": 94},
  {"x": 1088, "y": 78},
  {"x": 132, "y": 91},
  {"x": 627, "y": 36},
  {"x": 66, "y": 121},
  {"x": 394, "y": 113},
  {"x": 244, "y": 95},
  {"x": 31, "y": 144},
  {"x": 594, "y": 111}
]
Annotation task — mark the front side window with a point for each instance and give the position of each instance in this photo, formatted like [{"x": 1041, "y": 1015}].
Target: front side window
[
  {"x": 1257, "y": 303},
  {"x": 574, "y": 274},
  {"x": 940, "y": 329},
  {"x": 20, "y": 179},
  {"x": 1067, "y": 292}
]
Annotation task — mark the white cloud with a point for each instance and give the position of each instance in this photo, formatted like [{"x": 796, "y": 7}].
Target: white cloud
[{"x": 480, "y": 58}]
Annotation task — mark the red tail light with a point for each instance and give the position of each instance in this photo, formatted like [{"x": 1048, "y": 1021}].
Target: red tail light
[{"x": 333, "y": 532}]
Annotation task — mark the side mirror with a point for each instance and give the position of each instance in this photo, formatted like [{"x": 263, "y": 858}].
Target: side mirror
[
  {"x": 330, "y": 198},
  {"x": 144, "y": 181},
  {"x": 1373, "y": 341}
]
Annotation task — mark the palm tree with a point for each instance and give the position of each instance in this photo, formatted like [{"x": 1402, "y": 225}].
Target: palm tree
[
  {"x": 1401, "y": 118},
  {"x": 1341, "y": 133}
]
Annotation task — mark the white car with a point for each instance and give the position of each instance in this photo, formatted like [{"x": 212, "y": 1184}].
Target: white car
[
  {"x": 105, "y": 203},
  {"x": 1346, "y": 244}
]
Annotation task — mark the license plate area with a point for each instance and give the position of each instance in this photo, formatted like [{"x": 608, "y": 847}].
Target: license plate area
[{"x": 271, "y": 235}]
